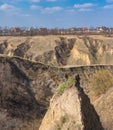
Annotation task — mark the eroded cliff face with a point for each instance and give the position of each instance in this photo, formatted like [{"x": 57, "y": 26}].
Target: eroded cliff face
[
  {"x": 26, "y": 88},
  {"x": 71, "y": 111},
  {"x": 28, "y": 47},
  {"x": 97, "y": 50},
  {"x": 60, "y": 51},
  {"x": 6, "y": 48},
  {"x": 60, "y": 54},
  {"x": 25, "y": 91},
  {"x": 17, "y": 98},
  {"x": 104, "y": 106}
]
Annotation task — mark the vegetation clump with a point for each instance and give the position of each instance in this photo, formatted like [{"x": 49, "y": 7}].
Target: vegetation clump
[
  {"x": 66, "y": 84},
  {"x": 102, "y": 81}
]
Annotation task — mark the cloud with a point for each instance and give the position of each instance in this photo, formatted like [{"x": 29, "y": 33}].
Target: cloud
[
  {"x": 109, "y": 0},
  {"x": 35, "y": 0},
  {"x": 35, "y": 7},
  {"x": 17, "y": 1},
  {"x": 9, "y": 8},
  {"x": 85, "y": 5},
  {"x": 85, "y": 10},
  {"x": 108, "y": 6},
  {"x": 46, "y": 10},
  {"x": 70, "y": 10},
  {"x": 50, "y": 10}
]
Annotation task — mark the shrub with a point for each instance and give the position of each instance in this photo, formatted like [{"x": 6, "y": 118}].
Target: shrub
[
  {"x": 66, "y": 84},
  {"x": 101, "y": 81}
]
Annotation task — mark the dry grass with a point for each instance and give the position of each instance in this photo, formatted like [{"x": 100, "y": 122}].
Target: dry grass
[{"x": 102, "y": 81}]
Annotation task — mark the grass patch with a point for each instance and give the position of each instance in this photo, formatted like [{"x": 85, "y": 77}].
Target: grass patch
[{"x": 66, "y": 84}]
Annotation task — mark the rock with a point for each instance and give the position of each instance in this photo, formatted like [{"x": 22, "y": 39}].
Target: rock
[
  {"x": 96, "y": 49},
  {"x": 21, "y": 50},
  {"x": 63, "y": 50},
  {"x": 72, "y": 110},
  {"x": 6, "y": 48},
  {"x": 104, "y": 107},
  {"x": 47, "y": 58}
]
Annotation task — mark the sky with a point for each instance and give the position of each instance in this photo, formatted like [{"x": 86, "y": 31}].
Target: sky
[{"x": 56, "y": 13}]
